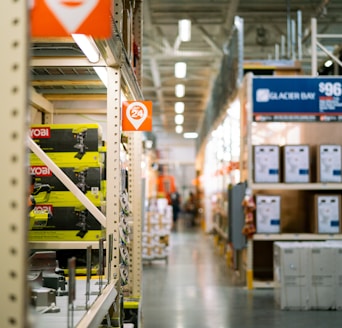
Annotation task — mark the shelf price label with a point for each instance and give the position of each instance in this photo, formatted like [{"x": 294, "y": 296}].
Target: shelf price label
[
  {"x": 329, "y": 98},
  {"x": 330, "y": 89},
  {"x": 137, "y": 116},
  {"x": 301, "y": 99}
]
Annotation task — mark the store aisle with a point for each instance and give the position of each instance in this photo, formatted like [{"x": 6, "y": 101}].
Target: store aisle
[{"x": 195, "y": 289}]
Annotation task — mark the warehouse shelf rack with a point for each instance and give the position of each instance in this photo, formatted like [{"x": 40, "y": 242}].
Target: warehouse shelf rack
[
  {"x": 326, "y": 131},
  {"x": 121, "y": 78}
]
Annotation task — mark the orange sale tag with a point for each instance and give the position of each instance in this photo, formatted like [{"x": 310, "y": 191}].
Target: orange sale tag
[
  {"x": 137, "y": 116},
  {"x": 57, "y": 18}
]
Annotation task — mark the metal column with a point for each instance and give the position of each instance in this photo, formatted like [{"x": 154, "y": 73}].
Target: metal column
[
  {"x": 113, "y": 164},
  {"x": 313, "y": 47},
  {"x": 136, "y": 201},
  {"x": 14, "y": 165},
  {"x": 137, "y": 32},
  {"x": 249, "y": 269}
]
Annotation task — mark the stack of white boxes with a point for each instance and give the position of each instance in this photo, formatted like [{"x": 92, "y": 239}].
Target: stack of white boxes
[
  {"x": 292, "y": 163},
  {"x": 308, "y": 275},
  {"x": 321, "y": 276},
  {"x": 291, "y": 276},
  {"x": 157, "y": 230}
]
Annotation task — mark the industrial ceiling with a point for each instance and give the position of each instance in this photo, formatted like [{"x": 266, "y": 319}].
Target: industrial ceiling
[{"x": 265, "y": 37}]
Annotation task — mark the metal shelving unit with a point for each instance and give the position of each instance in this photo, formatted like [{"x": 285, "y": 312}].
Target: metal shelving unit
[
  {"x": 283, "y": 188},
  {"x": 16, "y": 91}
]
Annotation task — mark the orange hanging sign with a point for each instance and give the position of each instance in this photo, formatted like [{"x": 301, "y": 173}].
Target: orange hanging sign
[
  {"x": 60, "y": 18},
  {"x": 137, "y": 116}
]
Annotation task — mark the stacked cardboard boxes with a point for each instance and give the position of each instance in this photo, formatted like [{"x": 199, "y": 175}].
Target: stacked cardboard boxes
[
  {"x": 74, "y": 148},
  {"x": 308, "y": 275},
  {"x": 156, "y": 230},
  {"x": 297, "y": 163}
]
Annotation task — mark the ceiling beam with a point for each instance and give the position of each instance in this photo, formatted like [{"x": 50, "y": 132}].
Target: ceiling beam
[
  {"x": 230, "y": 16},
  {"x": 208, "y": 39}
]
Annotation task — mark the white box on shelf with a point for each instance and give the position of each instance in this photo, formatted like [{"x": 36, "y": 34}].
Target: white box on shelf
[
  {"x": 322, "y": 276},
  {"x": 268, "y": 213},
  {"x": 296, "y": 163},
  {"x": 266, "y": 163},
  {"x": 327, "y": 213},
  {"x": 329, "y": 163},
  {"x": 291, "y": 275}
]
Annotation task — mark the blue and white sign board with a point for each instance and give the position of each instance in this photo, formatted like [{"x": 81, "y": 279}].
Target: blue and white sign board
[{"x": 301, "y": 99}]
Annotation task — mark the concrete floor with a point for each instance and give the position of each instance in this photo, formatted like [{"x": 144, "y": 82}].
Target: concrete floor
[{"x": 195, "y": 288}]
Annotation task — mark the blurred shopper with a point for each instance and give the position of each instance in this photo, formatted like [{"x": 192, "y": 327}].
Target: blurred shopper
[
  {"x": 176, "y": 205},
  {"x": 190, "y": 208}
]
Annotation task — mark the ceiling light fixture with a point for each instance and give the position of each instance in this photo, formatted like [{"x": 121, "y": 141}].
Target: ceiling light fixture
[
  {"x": 179, "y": 119},
  {"x": 90, "y": 50},
  {"x": 328, "y": 63},
  {"x": 179, "y": 107},
  {"x": 88, "y": 47},
  {"x": 179, "y": 129},
  {"x": 180, "y": 90},
  {"x": 102, "y": 74},
  {"x": 184, "y": 30},
  {"x": 190, "y": 135},
  {"x": 148, "y": 144},
  {"x": 180, "y": 70}
]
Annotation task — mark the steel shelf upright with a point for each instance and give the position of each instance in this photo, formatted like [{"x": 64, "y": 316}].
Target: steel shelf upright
[
  {"x": 14, "y": 81},
  {"x": 136, "y": 203},
  {"x": 135, "y": 188}
]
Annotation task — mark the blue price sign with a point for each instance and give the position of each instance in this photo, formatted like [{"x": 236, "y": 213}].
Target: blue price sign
[{"x": 297, "y": 99}]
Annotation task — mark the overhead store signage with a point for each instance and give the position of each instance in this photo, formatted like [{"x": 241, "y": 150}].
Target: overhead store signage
[
  {"x": 137, "y": 116},
  {"x": 60, "y": 18},
  {"x": 297, "y": 99}
]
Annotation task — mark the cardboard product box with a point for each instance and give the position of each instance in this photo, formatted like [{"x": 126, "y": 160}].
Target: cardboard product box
[
  {"x": 66, "y": 223},
  {"x": 266, "y": 164},
  {"x": 322, "y": 276},
  {"x": 67, "y": 159},
  {"x": 268, "y": 209},
  {"x": 329, "y": 161},
  {"x": 75, "y": 138},
  {"x": 67, "y": 198},
  {"x": 327, "y": 214},
  {"x": 291, "y": 275},
  {"x": 296, "y": 163},
  {"x": 84, "y": 177}
]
